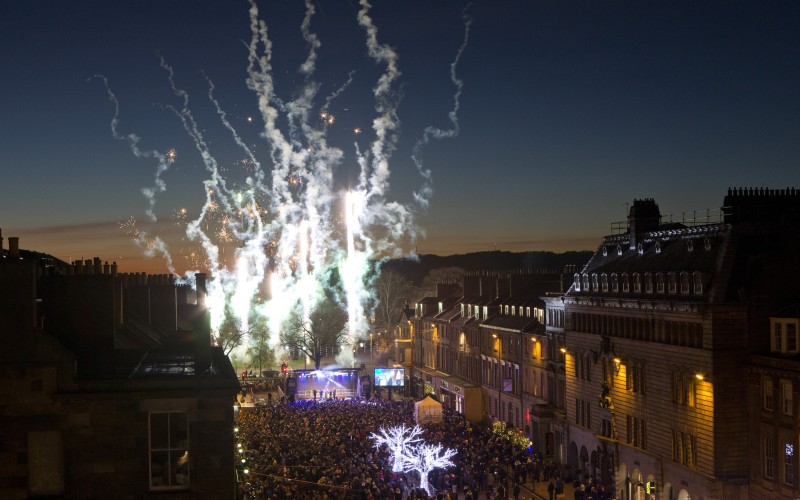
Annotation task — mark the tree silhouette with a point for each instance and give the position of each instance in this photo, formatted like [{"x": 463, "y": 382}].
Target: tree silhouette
[{"x": 322, "y": 332}]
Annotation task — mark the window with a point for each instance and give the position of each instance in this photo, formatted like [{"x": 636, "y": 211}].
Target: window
[
  {"x": 791, "y": 337},
  {"x": 586, "y": 282},
  {"x": 786, "y": 397},
  {"x": 683, "y": 388},
  {"x": 625, "y": 284},
  {"x": 637, "y": 283},
  {"x": 672, "y": 281},
  {"x": 697, "y": 278},
  {"x": 169, "y": 450},
  {"x": 767, "y": 393},
  {"x": 614, "y": 282},
  {"x": 637, "y": 432},
  {"x": 577, "y": 281},
  {"x": 595, "y": 284},
  {"x": 777, "y": 336},
  {"x": 648, "y": 282},
  {"x": 583, "y": 413},
  {"x": 769, "y": 457},
  {"x": 684, "y": 448},
  {"x": 604, "y": 282},
  {"x": 660, "y": 282},
  {"x": 684, "y": 282},
  {"x": 788, "y": 464}
]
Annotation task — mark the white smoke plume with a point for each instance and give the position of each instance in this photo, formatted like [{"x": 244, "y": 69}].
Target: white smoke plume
[{"x": 290, "y": 235}]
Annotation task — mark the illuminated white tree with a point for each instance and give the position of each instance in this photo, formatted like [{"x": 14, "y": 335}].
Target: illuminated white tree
[
  {"x": 397, "y": 439},
  {"x": 423, "y": 458}
]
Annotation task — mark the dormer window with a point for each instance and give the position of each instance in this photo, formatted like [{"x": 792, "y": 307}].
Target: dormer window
[
  {"x": 513, "y": 310},
  {"x": 648, "y": 282},
  {"x": 690, "y": 245},
  {"x": 577, "y": 281},
  {"x": 625, "y": 283},
  {"x": 639, "y": 249},
  {"x": 658, "y": 247},
  {"x": 707, "y": 243},
  {"x": 478, "y": 312},
  {"x": 784, "y": 335},
  {"x": 595, "y": 283},
  {"x": 660, "y": 282},
  {"x": 528, "y": 312},
  {"x": 586, "y": 282},
  {"x": 619, "y": 250},
  {"x": 672, "y": 283},
  {"x": 462, "y": 310},
  {"x": 614, "y": 282},
  {"x": 485, "y": 312},
  {"x": 637, "y": 283},
  {"x": 605, "y": 251},
  {"x": 604, "y": 282}
]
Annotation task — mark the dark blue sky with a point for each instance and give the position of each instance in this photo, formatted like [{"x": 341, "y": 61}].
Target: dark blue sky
[{"x": 569, "y": 110}]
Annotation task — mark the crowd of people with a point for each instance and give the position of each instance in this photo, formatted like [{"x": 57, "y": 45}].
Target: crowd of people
[{"x": 323, "y": 450}]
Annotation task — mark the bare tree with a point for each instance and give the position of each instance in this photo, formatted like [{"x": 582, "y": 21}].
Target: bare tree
[
  {"x": 393, "y": 290},
  {"x": 322, "y": 332},
  {"x": 229, "y": 335}
]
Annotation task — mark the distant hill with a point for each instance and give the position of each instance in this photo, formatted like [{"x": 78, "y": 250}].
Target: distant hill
[{"x": 417, "y": 269}]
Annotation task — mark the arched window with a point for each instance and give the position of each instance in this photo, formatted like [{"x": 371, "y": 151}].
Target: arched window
[
  {"x": 672, "y": 282},
  {"x": 577, "y": 281},
  {"x": 697, "y": 279},
  {"x": 684, "y": 282},
  {"x": 658, "y": 247},
  {"x": 660, "y": 282},
  {"x": 625, "y": 283},
  {"x": 586, "y": 282},
  {"x": 619, "y": 250},
  {"x": 614, "y": 282},
  {"x": 595, "y": 284},
  {"x": 648, "y": 282},
  {"x": 604, "y": 282},
  {"x": 637, "y": 283}
]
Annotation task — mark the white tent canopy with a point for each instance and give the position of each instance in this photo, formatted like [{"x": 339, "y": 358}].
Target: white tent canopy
[{"x": 428, "y": 411}]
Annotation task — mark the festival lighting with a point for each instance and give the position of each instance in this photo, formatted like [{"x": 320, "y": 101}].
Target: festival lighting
[
  {"x": 423, "y": 458},
  {"x": 397, "y": 439}
]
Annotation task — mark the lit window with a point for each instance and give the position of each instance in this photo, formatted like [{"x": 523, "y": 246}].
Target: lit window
[
  {"x": 169, "y": 450},
  {"x": 614, "y": 282},
  {"x": 788, "y": 464},
  {"x": 595, "y": 283},
  {"x": 577, "y": 281}
]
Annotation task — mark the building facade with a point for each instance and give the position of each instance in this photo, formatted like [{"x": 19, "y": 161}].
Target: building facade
[{"x": 111, "y": 388}]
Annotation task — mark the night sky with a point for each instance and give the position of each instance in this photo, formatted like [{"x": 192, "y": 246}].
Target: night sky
[{"x": 569, "y": 111}]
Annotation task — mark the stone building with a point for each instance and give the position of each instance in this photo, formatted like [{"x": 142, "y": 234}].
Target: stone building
[
  {"x": 111, "y": 388},
  {"x": 660, "y": 326}
]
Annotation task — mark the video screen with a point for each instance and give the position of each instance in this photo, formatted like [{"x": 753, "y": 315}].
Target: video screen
[{"x": 389, "y": 377}]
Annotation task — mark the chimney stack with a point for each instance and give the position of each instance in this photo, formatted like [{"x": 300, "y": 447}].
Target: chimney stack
[
  {"x": 13, "y": 247},
  {"x": 1, "y": 243}
]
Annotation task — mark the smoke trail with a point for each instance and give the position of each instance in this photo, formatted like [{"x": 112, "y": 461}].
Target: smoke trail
[
  {"x": 423, "y": 196},
  {"x": 290, "y": 242}
]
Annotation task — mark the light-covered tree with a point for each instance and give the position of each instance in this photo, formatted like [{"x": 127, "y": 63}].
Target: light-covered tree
[
  {"x": 229, "y": 335},
  {"x": 397, "y": 439},
  {"x": 423, "y": 458}
]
